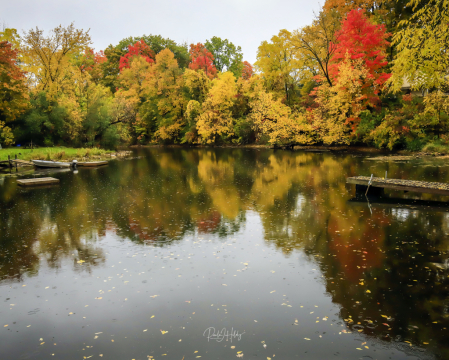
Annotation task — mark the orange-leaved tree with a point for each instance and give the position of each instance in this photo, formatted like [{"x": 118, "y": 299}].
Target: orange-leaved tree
[
  {"x": 247, "y": 71},
  {"x": 202, "y": 59}
]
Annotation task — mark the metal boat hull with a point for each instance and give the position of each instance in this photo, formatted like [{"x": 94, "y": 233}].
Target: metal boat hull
[{"x": 50, "y": 164}]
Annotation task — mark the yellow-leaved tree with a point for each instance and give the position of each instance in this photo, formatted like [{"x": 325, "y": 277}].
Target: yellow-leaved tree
[
  {"x": 216, "y": 119},
  {"x": 315, "y": 44},
  {"x": 46, "y": 59},
  {"x": 163, "y": 90},
  {"x": 279, "y": 66},
  {"x": 275, "y": 120},
  {"x": 422, "y": 55},
  {"x": 340, "y": 105},
  {"x": 131, "y": 95},
  {"x": 197, "y": 85}
]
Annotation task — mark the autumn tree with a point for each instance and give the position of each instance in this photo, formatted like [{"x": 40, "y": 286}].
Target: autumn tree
[
  {"x": 279, "y": 65},
  {"x": 202, "y": 59},
  {"x": 315, "y": 43},
  {"x": 247, "y": 71},
  {"x": 359, "y": 38},
  {"x": 276, "y": 121},
  {"x": 345, "y": 6},
  {"x": 196, "y": 84},
  {"x": 339, "y": 106},
  {"x": 216, "y": 120},
  {"x": 90, "y": 62},
  {"x": 132, "y": 94},
  {"x": 163, "y": 90},
  {"x": 10, "y": 35},
  {"x": 227, "y": 56},
  {"x": 157, "y": 43},
  {"x": 387, "y": 12},
  {"x": 422, "y": 56},
  {"x": 140, "y": 48},
  {"x": 47, "y": 58},
  {"x": 13, "y": 90}
]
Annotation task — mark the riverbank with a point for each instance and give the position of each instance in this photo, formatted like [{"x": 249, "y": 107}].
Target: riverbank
[{"x": 60, "y": 154}]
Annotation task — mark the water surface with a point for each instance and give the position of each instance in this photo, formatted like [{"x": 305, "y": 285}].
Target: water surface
[{"x": 144, "y": 258}]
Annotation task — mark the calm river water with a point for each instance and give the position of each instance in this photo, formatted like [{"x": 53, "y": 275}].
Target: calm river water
[{"x": 221, "y": 254}]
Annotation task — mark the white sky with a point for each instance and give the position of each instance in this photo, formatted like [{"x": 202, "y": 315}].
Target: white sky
[{"x": 245, "y": 23}]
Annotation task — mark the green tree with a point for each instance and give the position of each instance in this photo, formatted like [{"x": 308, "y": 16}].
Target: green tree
[{"x": 227, "y": 56}]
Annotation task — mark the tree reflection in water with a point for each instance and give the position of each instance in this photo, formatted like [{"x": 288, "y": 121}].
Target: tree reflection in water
[{"x": 386, "y": 267}]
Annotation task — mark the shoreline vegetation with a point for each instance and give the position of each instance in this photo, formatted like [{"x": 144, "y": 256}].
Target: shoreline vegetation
[
  {"x": 388, "y": 154},
  {"x": 61, "y": 154},
  {"x": 354, "y": 76}
]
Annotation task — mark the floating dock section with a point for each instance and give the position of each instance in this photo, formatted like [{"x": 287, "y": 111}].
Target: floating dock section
[
  {"x": 378, "y": 183},
  {"x": 37, "y": 181}
]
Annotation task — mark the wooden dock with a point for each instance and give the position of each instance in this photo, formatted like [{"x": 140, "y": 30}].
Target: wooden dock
[
  {"x": 399, "y": 184},
  {"x": 15, "y": 163},
  {"x": 37, "y": 181}
]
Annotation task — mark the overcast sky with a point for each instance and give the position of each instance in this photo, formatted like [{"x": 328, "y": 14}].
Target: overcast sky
[{"x": 245, "y": 23}]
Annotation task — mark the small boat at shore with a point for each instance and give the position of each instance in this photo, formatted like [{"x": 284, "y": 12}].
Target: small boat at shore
[
  {"x": 92, "y": 163},
  {"x": 52, "y": 164}
]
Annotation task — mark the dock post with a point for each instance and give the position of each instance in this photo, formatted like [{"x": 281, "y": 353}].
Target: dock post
[{"x": 369, "y": 184}]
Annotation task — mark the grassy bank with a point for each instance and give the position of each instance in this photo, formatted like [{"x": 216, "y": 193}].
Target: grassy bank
[{"x": 54, "y": 153}]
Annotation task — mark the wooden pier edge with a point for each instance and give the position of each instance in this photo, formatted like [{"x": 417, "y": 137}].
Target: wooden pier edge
[
  {"x": 37, "y": 181},
  {"x": 402, "y": 185}
]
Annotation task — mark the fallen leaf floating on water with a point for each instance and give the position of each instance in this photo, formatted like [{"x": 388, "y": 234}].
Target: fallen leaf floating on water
[
  {"x": 306, "y": 339},
  {"x": 164, "y": 332},
  {"x": 80, "y": 262}
]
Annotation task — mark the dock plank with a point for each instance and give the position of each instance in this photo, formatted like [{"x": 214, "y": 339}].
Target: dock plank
[
  {"x": 37, "y": 181},
  {"x": 402, "y": 185}
]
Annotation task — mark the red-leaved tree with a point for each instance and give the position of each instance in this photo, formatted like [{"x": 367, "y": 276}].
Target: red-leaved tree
[
  {"x": 362, "y": 39},
  {"x": 140, "y": 48},
  {"x": 202, "y": 59},
  {"x": 13, "y": 91},
  {"x": 247, "y": 71}
]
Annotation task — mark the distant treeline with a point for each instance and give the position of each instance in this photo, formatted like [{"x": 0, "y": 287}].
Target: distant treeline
[{"x": 354, "y": 75}]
